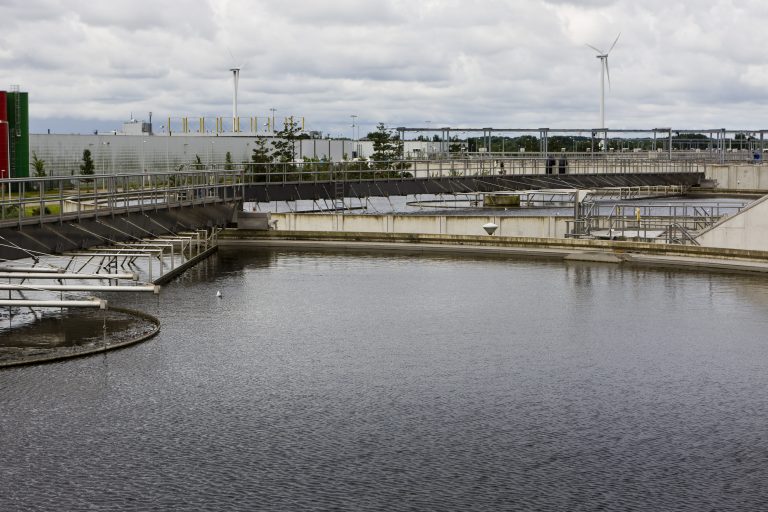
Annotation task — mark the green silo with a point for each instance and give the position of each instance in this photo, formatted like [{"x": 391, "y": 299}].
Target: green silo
[{"x": 18, "y": 121}]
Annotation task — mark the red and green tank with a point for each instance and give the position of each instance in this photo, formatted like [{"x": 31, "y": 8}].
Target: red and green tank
[{"x": 17, "y": 112}]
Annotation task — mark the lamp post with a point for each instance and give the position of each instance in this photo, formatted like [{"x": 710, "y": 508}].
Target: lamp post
[
  {"x": 143, "y": 161},
  {"x": 273, "y": 119}
]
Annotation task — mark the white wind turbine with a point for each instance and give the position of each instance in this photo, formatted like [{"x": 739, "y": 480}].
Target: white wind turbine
[
  {"x": 236, "y": 76},
  {"x": 236, "y": 80},
  {"x": 603, "y": 56}
]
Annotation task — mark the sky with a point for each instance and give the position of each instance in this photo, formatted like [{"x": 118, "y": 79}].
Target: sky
[{"x": 493, "y": 63}]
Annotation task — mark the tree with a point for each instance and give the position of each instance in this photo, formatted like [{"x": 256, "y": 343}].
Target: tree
[
  {"x": 87, "y": 167},
  {"x": 38, "y": 165},
  {"x": 455, "y": 147},
  {"x": 527, "y": 142},
  {"x": 228, "y": 161},
  {"x": 260, "y": 154},
  {"x": 386, "y": 147},
  {"x": 284, "y": 143},
  {"x": 198, "y": 163}
]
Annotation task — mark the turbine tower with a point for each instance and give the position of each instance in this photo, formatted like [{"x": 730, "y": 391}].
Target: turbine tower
[
  {"x": 604, "y": 71},
  {"x": 236, "y": 77}
]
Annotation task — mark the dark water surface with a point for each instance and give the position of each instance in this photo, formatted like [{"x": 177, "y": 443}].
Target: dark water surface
[{"x": 331, "y": 381}]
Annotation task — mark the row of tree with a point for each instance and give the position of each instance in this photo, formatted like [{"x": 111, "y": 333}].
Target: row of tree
[
  {"x": 87, "y": 166},
  {"x": 385, "y": 161}
]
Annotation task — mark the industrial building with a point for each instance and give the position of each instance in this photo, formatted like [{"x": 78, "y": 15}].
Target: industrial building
[{"x": 14, "y": 133}]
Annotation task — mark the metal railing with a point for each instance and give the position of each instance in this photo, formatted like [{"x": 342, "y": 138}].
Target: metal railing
[
  {"x": 30, "y": 200},
  {"x": 294, "y": 172},
  {"x": 672, "y": 223}
]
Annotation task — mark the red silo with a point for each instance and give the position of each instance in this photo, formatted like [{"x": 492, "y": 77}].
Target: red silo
[{"x": 5, "y": 160}]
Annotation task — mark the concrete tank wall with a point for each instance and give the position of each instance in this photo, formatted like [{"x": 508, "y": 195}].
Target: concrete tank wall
[
  {"x": 541, "y": 227},
  {"x": 739, "y": 176},
  {"x": 746, "y": 230}
]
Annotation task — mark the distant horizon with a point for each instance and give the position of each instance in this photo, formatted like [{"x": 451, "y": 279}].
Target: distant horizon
[{"x": 69, "y": 126}]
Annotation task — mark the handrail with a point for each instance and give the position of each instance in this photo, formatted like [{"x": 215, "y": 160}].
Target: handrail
[{"x": 34, "y": 198}]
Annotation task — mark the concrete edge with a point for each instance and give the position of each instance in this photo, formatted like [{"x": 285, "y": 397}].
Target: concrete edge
[
  {"x": 176, "y": 272},
  {"x": 97, "y": 350},
  {"x": 232, "y": 236},
  {"x": 636, "y": 254},
  {"x": 729, "y": 218}
]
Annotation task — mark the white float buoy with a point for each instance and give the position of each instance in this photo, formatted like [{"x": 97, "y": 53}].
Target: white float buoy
[{"x": 490, "y": 228}]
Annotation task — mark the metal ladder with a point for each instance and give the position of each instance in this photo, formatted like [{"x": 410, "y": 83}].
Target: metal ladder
[
  {"x": 17, "y": 108},
  {"x": 338, "y": 195}
]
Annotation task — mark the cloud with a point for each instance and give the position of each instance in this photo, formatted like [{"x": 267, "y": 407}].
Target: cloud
[{"x": 463, "y": 63}]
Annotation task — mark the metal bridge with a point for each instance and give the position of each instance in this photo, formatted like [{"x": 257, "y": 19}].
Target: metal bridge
[
  {"x": 58, "y": 214},
  {"x": 327, "y": 180}
]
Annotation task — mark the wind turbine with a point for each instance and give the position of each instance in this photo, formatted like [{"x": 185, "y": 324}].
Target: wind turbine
[
  {"x": 603, "y": 56},
  {"x": 236, "y": 79}
]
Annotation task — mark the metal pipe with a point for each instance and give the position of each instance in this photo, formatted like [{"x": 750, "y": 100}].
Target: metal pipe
[
  {"x": 38, "y": 270},
  {"x": 81, "y": 288},
  {"x": 24, "y": 275},
  {"x": 117, "y": 252},
  {"x": 93, "y": 303}
]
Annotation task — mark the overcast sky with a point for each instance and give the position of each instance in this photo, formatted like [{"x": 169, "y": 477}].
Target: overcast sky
[{"x": 503, "y": 64}]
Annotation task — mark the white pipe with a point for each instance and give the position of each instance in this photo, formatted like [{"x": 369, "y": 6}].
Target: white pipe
[
  {"x": 95, "y": 303},
  {"x": 120, "y": 249},
  {"x": 24, "y": 275},
  {"x": 118, "y": 252},
  {"x": 81, "y": 288},
  {"x": 40, "y": 270}
]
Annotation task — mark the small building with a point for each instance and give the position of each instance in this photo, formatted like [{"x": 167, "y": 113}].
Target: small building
[{"x": 135, "y": 127}]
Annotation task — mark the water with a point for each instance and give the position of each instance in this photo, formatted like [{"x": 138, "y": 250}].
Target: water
[{"x": 345, "y": 381}]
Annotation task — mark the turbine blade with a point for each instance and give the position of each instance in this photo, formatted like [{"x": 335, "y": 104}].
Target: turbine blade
[
  {"x": 607, "y": 72},
  {"x": 614, "y": 44},
  {"x": 596, "y": 49}
]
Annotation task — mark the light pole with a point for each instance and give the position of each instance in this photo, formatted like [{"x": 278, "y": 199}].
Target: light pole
[
  {"x": 143, "y": 166},
  {"x": 104, "y": 146},
  {"x": 143, "y": 161},
  {"x": 273, "y": 119},
  {"x": 429, "y": 137}
]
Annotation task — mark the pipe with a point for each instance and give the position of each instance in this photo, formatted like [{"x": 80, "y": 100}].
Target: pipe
[
  {"x": 81, "y": 288},
  {"x": 25, "y": 275},
  {"x": 38, "y": 270},
  {"x": 94, "y": 303}
]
